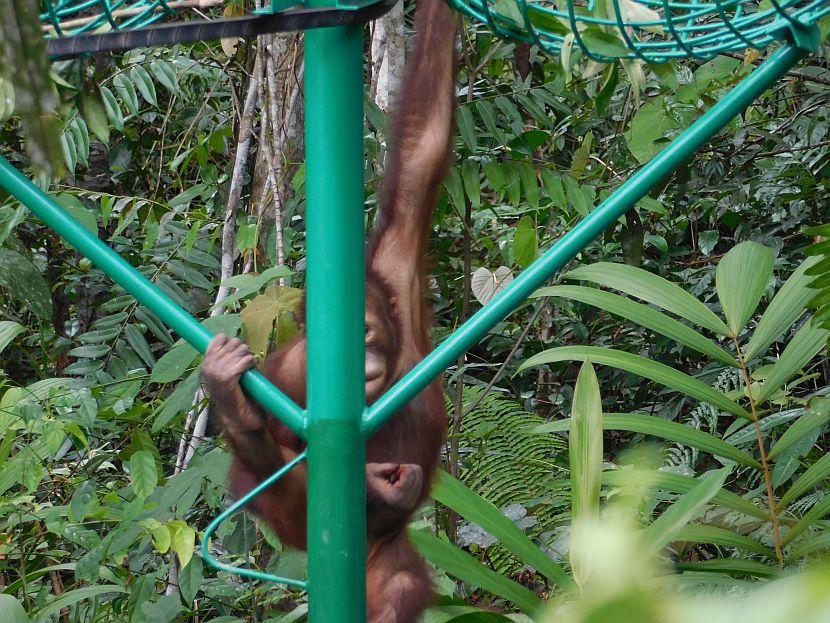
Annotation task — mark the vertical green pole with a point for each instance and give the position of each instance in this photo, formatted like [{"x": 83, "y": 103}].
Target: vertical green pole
[{"x": 335, "y": 324}]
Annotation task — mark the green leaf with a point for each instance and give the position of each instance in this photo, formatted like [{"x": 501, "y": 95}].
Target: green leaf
[
  {"x": 474, "y": 508},
  {"x": 808, "y": 520},
  {"x": 9, "y": 329},
  {"x": 25, "y": 283},
  {"x": 677, "y": 483},
  {"x": 740, "y": 280},
  {"x": 183, "y": 541},
  {"x": 74, "y": 596},
  {"x": 525, "y": 243},
  {"x": 585, "y": 445},
  {"x": 529, "y": 184},
  {"x": 83, "y": 501},
  {"x": 642, "y": 315},
  {"x": 696, "y": 533},
  {"x": 145, "y": 85},
  {"x": 11, "y": 610},
  {"x": 460, "y": 564},
  {"x": 124, "y": 86},
  {"x": 807, "y": 423},
  {"x": 462, "y": 614},
  {"x": 652, "y": 289},
  {"x": 784, "y": 309},
  {"x": 471, "y": 177},
  {"x": 648, "y": 129},
  {"x": 815, "y": 544},
  {"x": 730, "y": 566},
  {"x": 805, "y": 345},
  {"x": 604, "y": 43},
  {"x": 467, "y": 128},
  {"x": 173, "y": 364},
  {"x": 143, "y": 474},
  {"x": 114, "y": 113},
  {"x": 815, "y": 475},
  {"x": 78, "y": 211},
  {"x": 139, "y": 343},
  {"x": 95, "y": 114},
  {"x": 665, "y": 528},
  {"x": 641, "y": 366},
  {"x": 665, "y": 429}
]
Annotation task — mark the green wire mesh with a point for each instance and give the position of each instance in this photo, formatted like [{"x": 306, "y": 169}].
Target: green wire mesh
[
  {"x": 650, "y": 30},
  {"x": 67, "y": 18}
]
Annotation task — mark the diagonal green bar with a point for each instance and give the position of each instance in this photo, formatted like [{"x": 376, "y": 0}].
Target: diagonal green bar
[
  {"x": 566, "y": 248},
  {"x": 256, "y": 385}
]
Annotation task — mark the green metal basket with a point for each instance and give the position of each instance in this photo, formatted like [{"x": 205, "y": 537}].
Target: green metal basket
[{"x": 650, "y": 30}]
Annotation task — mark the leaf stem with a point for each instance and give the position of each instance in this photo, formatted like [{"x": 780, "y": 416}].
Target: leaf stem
[{"x": 773, "y": 511}]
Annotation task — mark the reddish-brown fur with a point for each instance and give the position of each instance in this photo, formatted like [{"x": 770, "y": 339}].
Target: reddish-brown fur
[{"x": 398, "y": 321}]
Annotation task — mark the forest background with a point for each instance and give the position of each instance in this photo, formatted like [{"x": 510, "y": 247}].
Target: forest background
[{"x": 703, "y": 313}]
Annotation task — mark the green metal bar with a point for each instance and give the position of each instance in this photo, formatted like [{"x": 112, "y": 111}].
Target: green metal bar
[
  {"x": 566, "y": 248},
  {"x": 141, "y": 288},
  {"x": 335, "y": 300},
  {"x": 213, "y": 525}
]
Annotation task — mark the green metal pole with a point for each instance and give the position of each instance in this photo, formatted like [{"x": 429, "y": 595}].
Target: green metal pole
[
  {"x": 566, "y": 248},
  {"x": 141, "y": 288},
  {"x": 335, "y": 324}
]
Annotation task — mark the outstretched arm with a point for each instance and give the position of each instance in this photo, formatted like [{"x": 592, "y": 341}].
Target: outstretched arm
[{"x": 421, "y": 133}]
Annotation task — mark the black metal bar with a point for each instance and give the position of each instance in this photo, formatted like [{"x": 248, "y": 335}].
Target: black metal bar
[{"x": 197, "y": 30}]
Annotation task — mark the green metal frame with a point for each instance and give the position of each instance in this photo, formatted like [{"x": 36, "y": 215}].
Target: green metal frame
[{"x": 337, "y": 421}]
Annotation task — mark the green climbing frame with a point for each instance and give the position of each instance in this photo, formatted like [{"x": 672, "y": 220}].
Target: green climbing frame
[{"x": 337, "y": 421}]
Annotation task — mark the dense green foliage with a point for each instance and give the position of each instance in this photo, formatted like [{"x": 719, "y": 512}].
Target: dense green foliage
[{"x": 694, "y": 335}]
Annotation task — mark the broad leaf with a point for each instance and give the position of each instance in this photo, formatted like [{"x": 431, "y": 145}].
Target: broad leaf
[
  {"x": 642, "y": 315},
  {"x": 585, "y": 445},
  {"x": 476, "y": 509},
  {"x": 653, "y": 289},
  {"x": 460, "y": 564},
  {"x": 143, "y": 473},
  {"x": 665, "y": 528},
  {"x": 585, "y": 452},
  {"x": 741, "y": 278},
  {"x": 641, "y": 366},
  {"x": 25, "y": 283},
  {"x": 11, "y": 610},
  {"x": 784, "y": 309},
  {"x": 665, "y": 429},
  {"x": 9, "y": 329}
]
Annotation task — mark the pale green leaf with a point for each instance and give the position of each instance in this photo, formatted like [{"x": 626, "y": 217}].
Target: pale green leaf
[
  {"x": 461, "y": 565},
  {"x": 805, "y": 345},
  {"x": 642, "y": 315},
  {"x": 784, "y": 309},
  {"x": 11, "y": 610},
  {"x": 664, "y": 429},
  {"x": 665, "y": 528},
  {"x": 658, "y": 372},
  {"x": 183, "y": 542},
  {"x": 525, "y": 242},
  {"x": 474, "y": 508},
  {"x": 585, "y": 445},
  {"x": 9, "y": 329},
  {"x": 740, "y": 280},
  {"x": 652, "y": 289}
]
